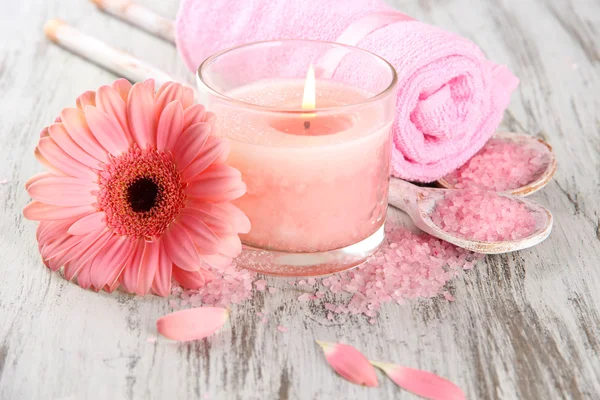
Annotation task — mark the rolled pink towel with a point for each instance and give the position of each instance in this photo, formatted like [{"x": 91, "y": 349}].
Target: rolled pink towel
[{"x": 450, "y": 97}]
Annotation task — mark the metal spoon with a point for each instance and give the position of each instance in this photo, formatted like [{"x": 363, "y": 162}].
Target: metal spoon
[
  {"x": 419, "y": 203},
  {"x": 539, "y": 180}
]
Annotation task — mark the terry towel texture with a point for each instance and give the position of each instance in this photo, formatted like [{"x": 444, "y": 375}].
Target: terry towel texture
[{"x": 450, "y": 97}]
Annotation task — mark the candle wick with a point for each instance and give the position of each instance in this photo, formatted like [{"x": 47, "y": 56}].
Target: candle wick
[{"x": 306, "y": 125}]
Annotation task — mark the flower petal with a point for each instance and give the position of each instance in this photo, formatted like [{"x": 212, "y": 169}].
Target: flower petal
[
  {"x": 211, "y": 151},
  {"x": 421, "y": 383},
  {"x": 60, "y": 246},
  {"x": 140, "y": 106},
  {"x": 193, "y": 323},
  {"x": 193, "y": 115},
  {"x": 86, "y": 99},
  {"x": 59, "y": 133},
  {"x": 240, "y": 221},
  {"x": 84, "y": 277},
  {"x": 107, "y": 131},
  {"x": 162, "y": 279},
  {"x": 131, "y": 273},
  {"x": 188, "y": 97},
  {"x": 162, "y": 89},
  {"x": 350, "y": 363},
  {"x": 37, "y": 211},
  {"x": 218, "y": 184},
  {"x": 172, "y": 92},
  {"x": 229, "y": 214},
  {"x": 170, "y": 126},
  {"x": 112, "y": 259},
  {"x": 190, "y": 144},
  {"x": 122, "y": 86},
  {"x": 217, "y": 261},
  {"x": 63, "y": 191},
  {"x": 88, "y": 224},
  {"x": 205, "y": 240},
  {"x": 111, "y": 288},
  {"x": 82, "y": 254},
  {"x": 64, "y": 162},
  {"x": 214, "y": 223},
  {"x": 149, "y": 266},
  {"x": 180, "y": 248},
  {"x": 109, "y": 101},
  {"x": 192, "y": 279},
  {"x": 231, "y": 245},
  {"x": 150, "y": 85},
  {"x": 37, "y": 177},
  {"x": 47, "y": 164},
  {"x": 76, "y": 125}
]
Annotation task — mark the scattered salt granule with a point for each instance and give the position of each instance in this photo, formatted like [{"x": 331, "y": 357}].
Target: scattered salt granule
[
  {"x": 260, "y": 284},
  {"x": 230, "y": 285},
  {"x": 408, "y": 266},
  {"x": 448, "y": 296},
  {"x": 500, "y": 166},
  {"x": 3, "y": 181},
  {"x": 304, "y": 297},
  {"x": 282, "y": 329},
  {"x": 483, "y": 216}
]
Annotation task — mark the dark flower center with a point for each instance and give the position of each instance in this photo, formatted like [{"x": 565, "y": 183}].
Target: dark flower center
[{"x": 142, "y": 194}]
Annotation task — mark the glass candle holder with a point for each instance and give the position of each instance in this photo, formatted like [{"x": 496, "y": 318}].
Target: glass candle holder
[{"x": 309, "y": 125}]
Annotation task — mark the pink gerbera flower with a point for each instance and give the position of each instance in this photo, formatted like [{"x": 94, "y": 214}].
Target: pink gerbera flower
[{"x": 137, "y": 191}]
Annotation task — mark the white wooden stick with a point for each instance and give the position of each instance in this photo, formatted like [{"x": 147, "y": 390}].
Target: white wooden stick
[
  {"x": 139, "y": 16},
  {"x": 117, "y": 61}
]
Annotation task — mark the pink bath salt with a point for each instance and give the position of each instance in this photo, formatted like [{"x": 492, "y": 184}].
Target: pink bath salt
[
  {"x": 372, "y": 321},
  {"x": 483, "y": 216},
  {"x": 448, "y": 296},
  {"x": 502, "y": 165},
  {"x": 311, "y": 281},
  {"x": 408, "y": 266},
  {"x": 259, "y": 314},
  {"x": 272, "y": 290},
  {"x": 230, "y": 285},
  {"x": 260, "y": 284},
  {"x": 304, "y": 297},
  {"x": 282, "y": 329}
]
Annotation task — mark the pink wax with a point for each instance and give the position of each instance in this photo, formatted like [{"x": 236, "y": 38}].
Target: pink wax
[{"x": 308, "y": 192}]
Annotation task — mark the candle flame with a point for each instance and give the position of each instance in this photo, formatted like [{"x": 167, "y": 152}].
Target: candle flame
[{"x": 308, "y": 100}]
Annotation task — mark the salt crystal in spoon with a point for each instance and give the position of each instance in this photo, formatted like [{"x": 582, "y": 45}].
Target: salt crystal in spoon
[
  {"x": 513, "y": 163},
  {"x": 462, "y": 217}
]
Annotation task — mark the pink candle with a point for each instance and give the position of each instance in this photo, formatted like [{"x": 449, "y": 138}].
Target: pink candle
[
  {"x": 322, "y": 190},
  {"x": 314, "y": 154}
]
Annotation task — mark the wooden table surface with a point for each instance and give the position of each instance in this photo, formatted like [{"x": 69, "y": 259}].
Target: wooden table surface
[{"x": 524, "y": 325}]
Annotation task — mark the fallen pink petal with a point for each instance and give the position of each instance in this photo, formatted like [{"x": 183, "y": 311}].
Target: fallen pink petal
[
  {"x": 421, "y": 383},
  {"x": 349, "y": 363},
  {"x": 192, "y": 323}
]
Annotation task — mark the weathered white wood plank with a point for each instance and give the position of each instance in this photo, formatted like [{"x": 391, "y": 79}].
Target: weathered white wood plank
[{"x": 523, "y": 326}]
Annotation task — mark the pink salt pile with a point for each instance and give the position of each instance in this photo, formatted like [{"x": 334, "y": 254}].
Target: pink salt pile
[
  {"x": 483, "y": 216},
  {"x": 408, "y": 266},
  {"x": 501, "y": 165},
  {"x": 232, "y": 285}
]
